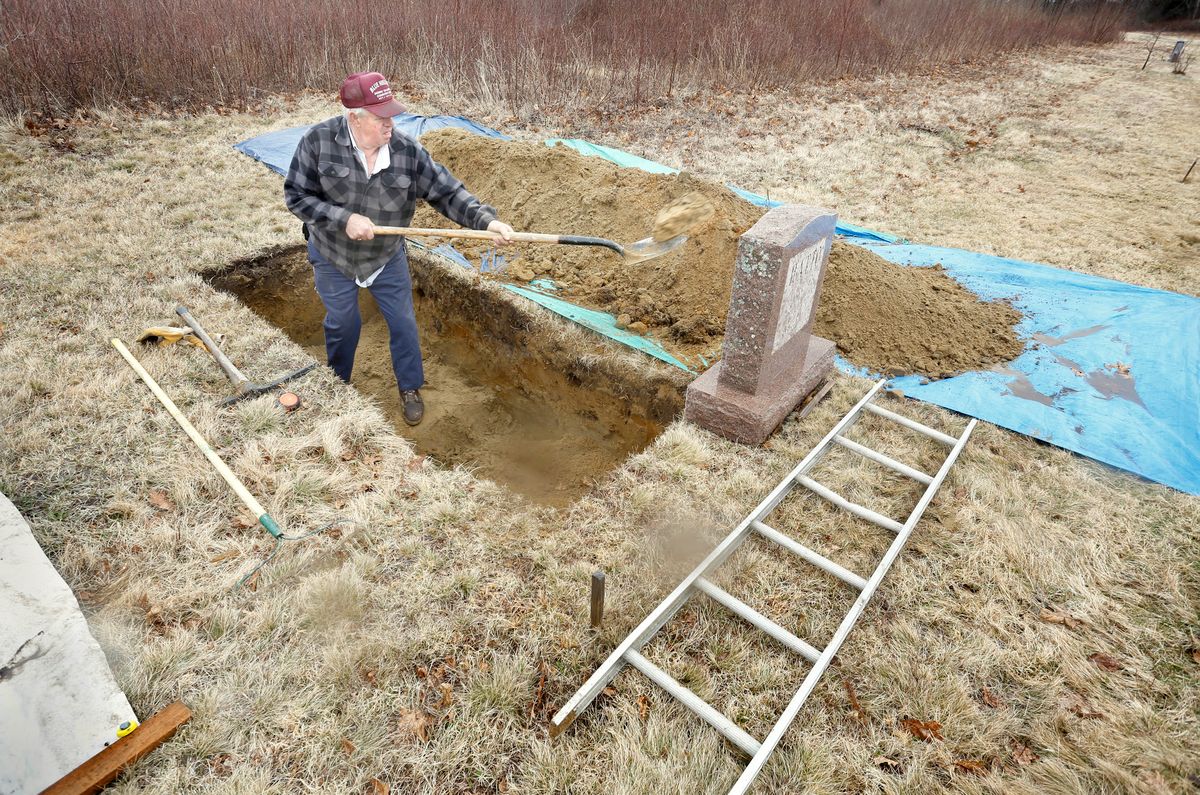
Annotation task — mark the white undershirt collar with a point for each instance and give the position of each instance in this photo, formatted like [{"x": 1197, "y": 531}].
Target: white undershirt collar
[{"x": 383, "y": 158}]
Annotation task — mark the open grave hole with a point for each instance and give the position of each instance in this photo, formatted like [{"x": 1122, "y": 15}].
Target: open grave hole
[{"x": 505, "y": 396}]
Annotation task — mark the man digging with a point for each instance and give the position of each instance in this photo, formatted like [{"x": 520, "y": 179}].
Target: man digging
[{"x": 348, "y": 174}]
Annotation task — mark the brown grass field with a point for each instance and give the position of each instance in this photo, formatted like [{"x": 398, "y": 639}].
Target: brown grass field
[{"x": 424, "y": 647}]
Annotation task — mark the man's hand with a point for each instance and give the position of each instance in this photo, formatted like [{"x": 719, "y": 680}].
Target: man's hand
[
  {"x": 359, "y": 227},
  {"x": 503, "y": 230}
]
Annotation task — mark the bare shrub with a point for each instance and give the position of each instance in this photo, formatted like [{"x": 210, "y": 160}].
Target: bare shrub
[{"x": 57, "y": 56}]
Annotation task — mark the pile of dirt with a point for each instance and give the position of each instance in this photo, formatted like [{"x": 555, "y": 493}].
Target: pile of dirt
[
  {"x": 898, "y": 320},
  {"x": 886, "y": 317},
  {"x": 537, "y": 188}
]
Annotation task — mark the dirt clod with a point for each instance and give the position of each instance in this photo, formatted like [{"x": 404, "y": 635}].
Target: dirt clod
[{"x": 682, "y": 216}]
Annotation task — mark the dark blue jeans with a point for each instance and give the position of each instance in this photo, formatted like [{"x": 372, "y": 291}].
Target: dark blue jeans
[{"x": 392, "y": 290}]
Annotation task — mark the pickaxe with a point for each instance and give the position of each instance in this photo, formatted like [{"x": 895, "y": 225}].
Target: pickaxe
[{"x": 243, "y": 386}]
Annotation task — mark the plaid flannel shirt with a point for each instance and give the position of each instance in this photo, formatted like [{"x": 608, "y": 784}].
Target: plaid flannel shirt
[{"x": 326, "y": 184}]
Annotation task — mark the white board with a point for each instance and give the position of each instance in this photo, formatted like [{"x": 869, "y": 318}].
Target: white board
[{"x": 59, "y": 702}]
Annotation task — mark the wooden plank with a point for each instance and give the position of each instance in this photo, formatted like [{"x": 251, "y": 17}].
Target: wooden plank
[{"x": 99, "y": 771}]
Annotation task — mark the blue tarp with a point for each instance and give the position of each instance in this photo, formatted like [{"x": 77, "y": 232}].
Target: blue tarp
[{"x": 1110, "y": 370}]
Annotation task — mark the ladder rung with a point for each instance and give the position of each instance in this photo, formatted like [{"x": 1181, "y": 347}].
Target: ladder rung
[
  {"x": 887, "y": 461},
  {"x": 900, "y": 419},
  {"x": 820, "y": 561},
  {"x": 846, "y": 505},
  {"x": 758, "y": 619},
  {"x": 693, "y": 702}
]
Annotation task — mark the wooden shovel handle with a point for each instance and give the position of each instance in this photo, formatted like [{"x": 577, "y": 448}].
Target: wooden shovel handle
[{"x": 464, "y": 234}]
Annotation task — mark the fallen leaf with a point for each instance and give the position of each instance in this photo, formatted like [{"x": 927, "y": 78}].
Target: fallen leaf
[
  {"x": 1081, "y": 708},
  {"x": 416, "y": 462},
  {"x": 1194, "y": 653},
  {"x": 414, "y": 723},
  {"x": 379, "y": 788},
  {"x": 1053, "y": 617},
  {"x": 347, "y": 746},
  {"x": 219, "y": 765},
  {"x": 972, "y": 766},
  {"x": 609, "y": 691},
  {"x": 422, "y": 672},
  {"x": 232, "y": 553},
  {"x": 160, "y": 500},
  {"x": 447, "y": 695},
  {"x": 886, "y": 763},
  {"x": 1155, "y": 780},
  {"x": 990, "y": 698},
  {"x": 1023, "y": 754},
  {"x": 643, "y": 703},
  {"x": 923, "y": 730},
  {"x": 1106, "y": 662},
  {"x": 242, "y": 523}
]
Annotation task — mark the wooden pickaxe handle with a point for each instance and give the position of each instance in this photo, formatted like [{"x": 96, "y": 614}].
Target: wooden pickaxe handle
[{"x": 235, "y": 376}]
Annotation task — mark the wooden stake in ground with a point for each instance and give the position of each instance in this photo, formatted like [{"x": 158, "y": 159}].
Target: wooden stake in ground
[
  {"x": 97, "y": 772},
  {"x": 597, "y": 598}
]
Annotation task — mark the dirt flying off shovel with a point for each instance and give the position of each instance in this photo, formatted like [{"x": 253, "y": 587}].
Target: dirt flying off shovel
[{"x": 243, "y": 386}]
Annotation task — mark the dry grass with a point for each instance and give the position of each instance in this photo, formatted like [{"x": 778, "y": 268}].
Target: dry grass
[
  {"x": 332, "y": 672},
  {"x": 1073, "y": 158}
]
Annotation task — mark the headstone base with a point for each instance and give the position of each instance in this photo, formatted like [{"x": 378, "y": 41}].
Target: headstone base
[{"x": 750, "y": 419}]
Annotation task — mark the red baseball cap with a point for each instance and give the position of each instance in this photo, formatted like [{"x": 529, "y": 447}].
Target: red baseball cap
[{"x": 370, "y": 90}]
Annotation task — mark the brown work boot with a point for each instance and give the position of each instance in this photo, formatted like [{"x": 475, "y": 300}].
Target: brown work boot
[{"x": 414, "y": 407}]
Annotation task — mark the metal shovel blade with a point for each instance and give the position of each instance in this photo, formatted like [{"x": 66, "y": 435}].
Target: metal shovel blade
[{"x": 649, "y": 248}]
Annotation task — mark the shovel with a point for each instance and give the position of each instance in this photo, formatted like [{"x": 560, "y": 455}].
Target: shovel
[{"x": 642, "y": 250}]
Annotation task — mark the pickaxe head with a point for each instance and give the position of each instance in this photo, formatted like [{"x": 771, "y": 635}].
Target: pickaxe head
[{"x": 249, "y": 389}]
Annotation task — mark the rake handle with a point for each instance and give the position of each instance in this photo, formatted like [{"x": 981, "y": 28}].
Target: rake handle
[{"x": 222, "y": 468}]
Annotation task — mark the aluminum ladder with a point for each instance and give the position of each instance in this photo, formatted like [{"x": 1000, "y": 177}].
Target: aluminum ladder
[{"x": 629, "y": 651}]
